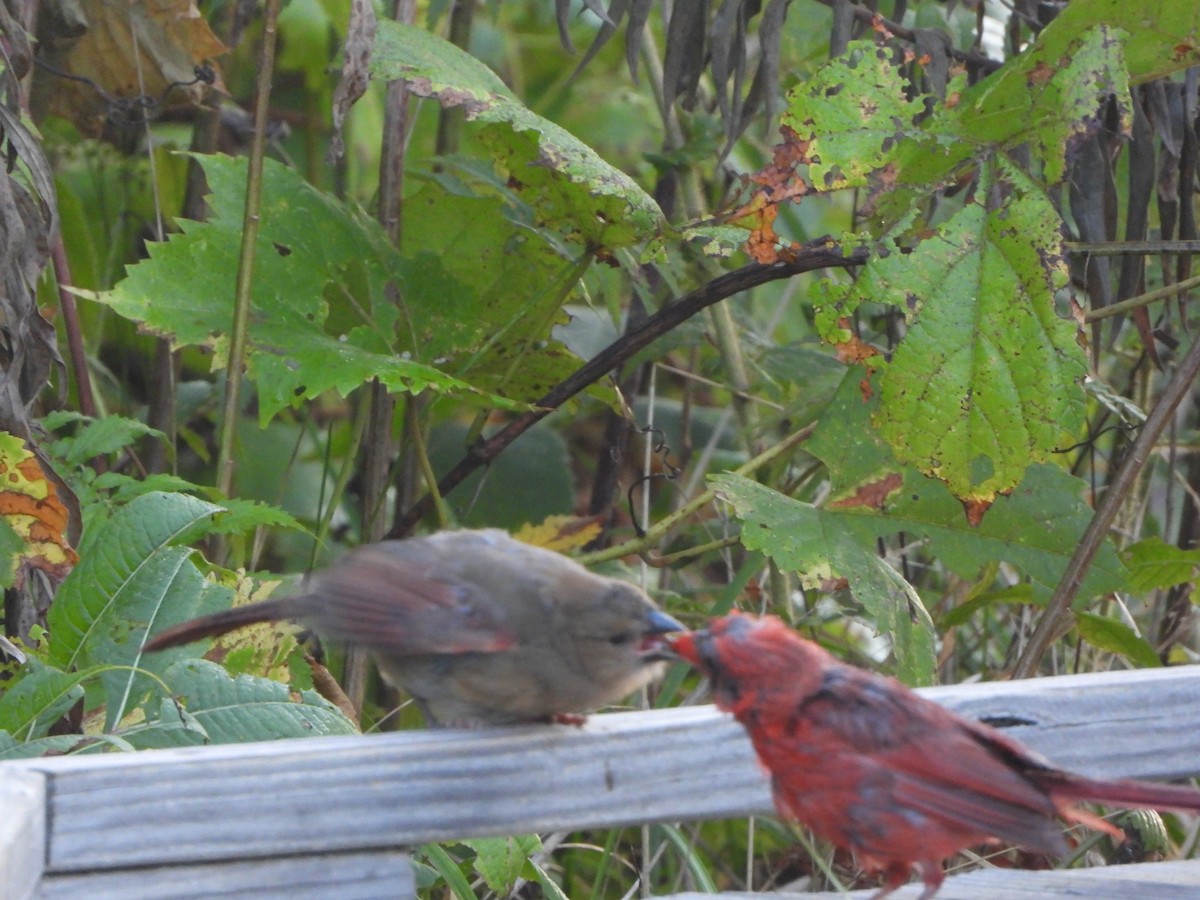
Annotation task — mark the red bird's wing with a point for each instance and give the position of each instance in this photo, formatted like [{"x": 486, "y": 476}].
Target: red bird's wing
[
  {"x": 383, "y": 601},
  {"x": 920, "y": 774}
]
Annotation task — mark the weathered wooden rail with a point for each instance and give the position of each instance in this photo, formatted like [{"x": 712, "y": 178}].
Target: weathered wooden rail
[{"x": 331, "y": 817}]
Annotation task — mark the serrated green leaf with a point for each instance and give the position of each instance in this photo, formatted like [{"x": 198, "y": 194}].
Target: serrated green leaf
[
  {"x": 239, "y": 516},
  {"x": 1116, "y": 637},
  {"x": 986, "y": 382},
  {"x": 499, "y": 861},
  {"x": 477, "y": 294},
  {"x": 97, "y": 437},
  {"x": 320, "y": 318},
  {"x": 215, "y": 708},
  {"x": 37, "y": 699},
  {"x": 1048, "y": 96},
  {"x": 569, "y": 186},
  {"x": 1161, "y": 37},
  {"x": 1036, "y": 527},
  {"x": 1154, "y": 565},
  {"x": 124, "y": 488},
  {"x": 819, "y": 547},
  {"x": 483, "y": 295},
  {"x": 851, "y": 115}
]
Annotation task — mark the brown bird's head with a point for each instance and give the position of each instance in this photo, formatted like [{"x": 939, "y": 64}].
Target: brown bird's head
[{"x": 611, "y": 633}]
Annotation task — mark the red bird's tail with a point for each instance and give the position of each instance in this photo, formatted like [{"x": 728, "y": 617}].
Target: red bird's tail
[{"x": 1065, "y": 786}]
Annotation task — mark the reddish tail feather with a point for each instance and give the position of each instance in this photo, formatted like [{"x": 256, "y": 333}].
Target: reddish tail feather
[{"x": 219, "y": 623}]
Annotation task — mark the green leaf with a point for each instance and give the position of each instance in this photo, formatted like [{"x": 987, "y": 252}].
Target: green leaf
[
  {"x": 821, "y": 548},
  {"x": 482, "y": 296},
  {"x": 97, "y": 437},
  {"x": 849, "y": 117},
  {"x": 320, "y": 319},
  {"x": 449, "y": 870},
  {"x": 1160, "y": 39},
  {"x": 239, "y": 516},
  {"x": 1154, "y": 565},
  {"x": 986, "y": 382},
  {"x": 527, "y": 485},
  {"x": 571, "y": 189},
  {"x": 478, "y": 294},
  {"x": 856, "y": 125},
  {"x": 1018, "y": 594},
  {"x": 38, "y": 698},
  {"x": 1116, "y": 637},
  {"x": 1049, "y": 96},
  {"x": 500, "y": 860},
  {"x": 550, "y": 888},
  {"x": 131, "y": 579},
  {"x": 12, "y": 546},
  {"x": 214, "y": 707},
  {"x": 11, "y": 748},
  {"x": 1037, "y": 526}
]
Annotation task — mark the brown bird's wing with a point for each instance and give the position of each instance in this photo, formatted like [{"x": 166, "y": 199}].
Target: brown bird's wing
[
  {"x": 377, "y": 598},
  {"x": 383, "y": 601},
  {"x": 917, "y": 762}
]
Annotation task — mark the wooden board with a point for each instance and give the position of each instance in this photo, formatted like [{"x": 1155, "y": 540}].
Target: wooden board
[
  {"x": 22, "y": 832},
  {"x": 379, "y": 793},
  {"x": 1148, "y": 881},
  {"x": 346, "y": 876}
]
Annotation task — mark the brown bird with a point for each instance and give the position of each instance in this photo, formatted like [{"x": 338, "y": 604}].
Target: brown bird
[
  {"x": 874, "y": 768},
  {"x": 477, "y": 626}
]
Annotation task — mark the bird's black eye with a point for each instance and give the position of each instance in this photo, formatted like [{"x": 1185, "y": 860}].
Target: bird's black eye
[{"x": 618, "y": 640}]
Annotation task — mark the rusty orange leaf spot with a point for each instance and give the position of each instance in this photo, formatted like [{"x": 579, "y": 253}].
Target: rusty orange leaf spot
[
  {"x": 1041, "y": 73},
  {"x": 872, "y": 495},
  {"x": 856, "y": 350},
  {"x": 777, "y": 183},
  {"x": 30, "y": 504},
  {"x": 975, "y": 510},
  {"x": 780, "y": 179},
  {"x": 829, "y": 585}
]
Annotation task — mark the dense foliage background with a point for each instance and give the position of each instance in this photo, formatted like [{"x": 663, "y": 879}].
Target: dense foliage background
[{"x": 871, "y": 315}]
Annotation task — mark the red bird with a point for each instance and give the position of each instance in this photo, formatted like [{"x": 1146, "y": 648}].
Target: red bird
[{"x": 873, "y": 767}]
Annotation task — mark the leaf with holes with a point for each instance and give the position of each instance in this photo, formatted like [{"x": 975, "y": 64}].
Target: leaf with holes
[
  {"x": 986, "y": 381},
  {"x": 571, "y": 189}
]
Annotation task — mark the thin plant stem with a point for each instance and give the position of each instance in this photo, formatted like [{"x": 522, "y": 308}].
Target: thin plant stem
[
  {"x": 818, "y": 254},
  {"x": 230, "y": 412},
  {"x": 1051, "y": 621},
  {"x": 639, "y": 545}
]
